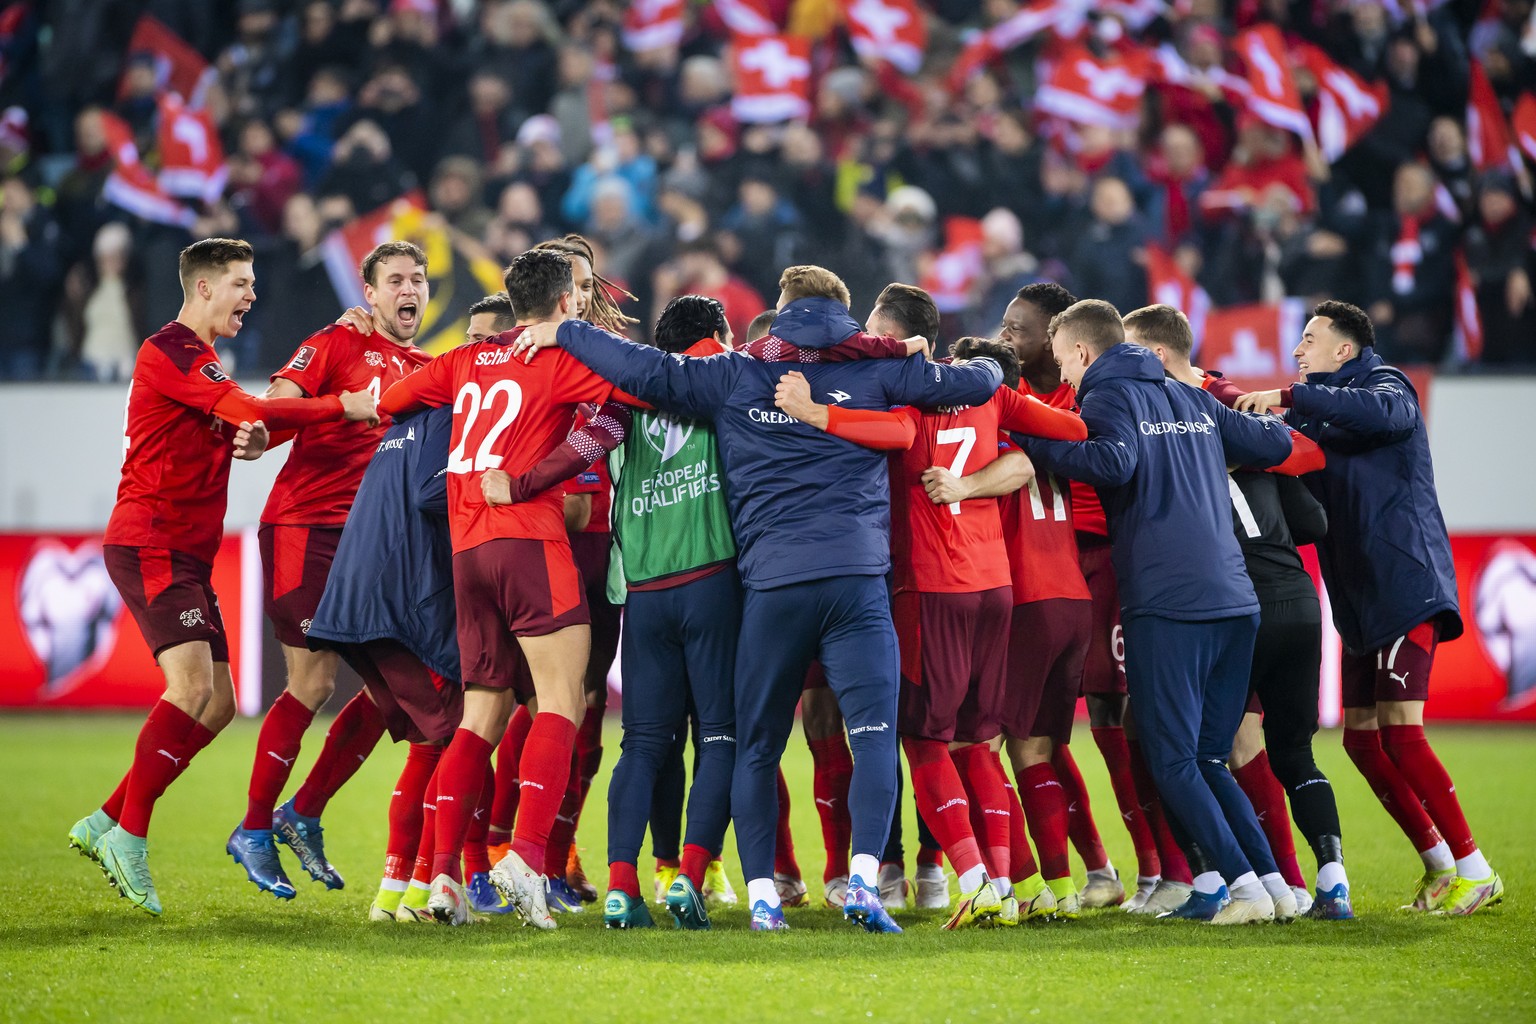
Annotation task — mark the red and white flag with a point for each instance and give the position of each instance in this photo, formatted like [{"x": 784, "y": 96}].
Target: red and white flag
[
  {"x": 1347, "y": 106},
  {"x": 949, "y": 274},
  {"x": 1067, "y": 18},
  {"x": 891, "y": 30},
  {"x": 1083, "y": 89},
  {"x": 746, "y": 17},
  {"x": 191, "y": 157},
  {"x": 1274, "y": 98},
  {"x": 1253, "y": 344},
  {"x": 1525, "y": 125},
  {"x": 1489, "y": 141},
  {"x": 178, "y": 67},
  {"x": 1468, "y": 334},
  {"x": 1169, "y": 284},
  {"x": 653, "y": 24},
  {"x": 131, "y": 186},
  {"x": 773, "y": 78}
]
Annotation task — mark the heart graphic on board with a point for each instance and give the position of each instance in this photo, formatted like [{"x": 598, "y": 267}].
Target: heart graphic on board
[{"x": 68, "y": 611}]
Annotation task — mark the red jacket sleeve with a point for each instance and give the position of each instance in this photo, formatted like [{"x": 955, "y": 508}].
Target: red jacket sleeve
[
  {"x": 431, "y": 385},
  {"x": 277, "y": 413},
  {"x": 1222, "y": 389},
  {"x": 864, "y": 346},
  {"x": 892, "y": 431},
  {"x": 1305, "y": 457},
  {"x": 1028, "y": 415},
  {"x": 585, "y": 446}
]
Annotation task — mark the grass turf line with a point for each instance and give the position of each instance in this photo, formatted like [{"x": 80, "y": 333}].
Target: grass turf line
[{"x": 70, "y": 949}]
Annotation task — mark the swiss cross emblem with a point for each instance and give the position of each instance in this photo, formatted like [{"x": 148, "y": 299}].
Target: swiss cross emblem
[{"x": 374, "y": 358}]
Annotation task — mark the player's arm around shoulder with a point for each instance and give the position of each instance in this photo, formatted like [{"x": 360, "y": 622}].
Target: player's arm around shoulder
[
  {"x": 1109, "y": 456},
  {"x": 1246, "y": 439},
  {"x": 1383, "y": 409}
]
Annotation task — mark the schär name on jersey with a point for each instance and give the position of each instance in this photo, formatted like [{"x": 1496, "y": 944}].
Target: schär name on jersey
[{"x": 494, "y": 357}]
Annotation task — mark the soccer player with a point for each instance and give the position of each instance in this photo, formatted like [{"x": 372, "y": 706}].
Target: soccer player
[
  {"x": 1391, "y": 583},
  {"x": 1157, "y": 453},
  {"x": 301, "y": 527},
  {"x": 809, "y": 513},
  {"x": 1273, "y": 513},
  {"x": 166, "y": 528},
  {"x": 514, "y": 577},
  {"x": 1162, "y": 874}
]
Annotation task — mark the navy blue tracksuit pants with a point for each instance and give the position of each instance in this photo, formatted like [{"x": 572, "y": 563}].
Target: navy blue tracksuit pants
[
  {"x": 846, "y": 623},
  {"x": 677, "y": 643},
  {"x": 1188, "y": 684}
]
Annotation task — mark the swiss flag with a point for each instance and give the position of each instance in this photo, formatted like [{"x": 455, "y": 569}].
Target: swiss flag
[
  {"x": 1083, "y": 89},
  {"x": 1469, "y": 322},
  {"x": 131, "y": 186},
  {"x": 653, "y": 24},
  {"x": 191, "y": 156},
  {"x": 1347, "y": 106},
  {"x": 747, "y": 17},
  {"x": 1525, "y": 125},
  {"x": 1253, "y": 344},
  {"x": 773, "y": 78},
  {"x": 1167, "y": 283},
  {"x": 948, "y": 275},
  {"x": 1488, "y": 137},
  {"x": 1067, "y": 18},
  {"x": 891, "y": 30},
  {"x": 178, "y": 67},
  {"x": 1274, "y": 98}
]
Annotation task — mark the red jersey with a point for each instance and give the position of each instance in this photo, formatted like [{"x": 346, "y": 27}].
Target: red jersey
[
  {"x": 1042, "y": 545},
  {"x": 176, "y": 453},
  {"x": 507, "y": 414},
  {"x": 1087, "y": 514},
  {"x": 316, "y": 485}
]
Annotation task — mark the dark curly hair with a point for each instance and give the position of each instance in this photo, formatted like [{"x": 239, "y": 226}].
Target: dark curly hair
[{"x": 1349, "y": 321}]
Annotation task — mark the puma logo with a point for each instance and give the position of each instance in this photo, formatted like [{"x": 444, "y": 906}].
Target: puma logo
[
  {"x": 826, "y": 803},
  {"x": 287, "y": 761},
  {"x": 1402, "y": 680},
  {"x": 174, "y": 759}
]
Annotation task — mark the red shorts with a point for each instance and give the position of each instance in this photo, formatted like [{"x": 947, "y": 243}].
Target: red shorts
[
  {"x": 507, "y": 588},
  {"x": 418, "y": 705},
  {"x": 815, "y": 677},
  {"x": 954, "y": 656},
  {"x": 1046, "y": 648},
  {"x": 1254, "y": 706},
  {"x": 1104, "y": 667},
  {"x": 1398, "y": 671},
  {"x": 295, "y": 561},
  {"x": 171, "y": 596}
]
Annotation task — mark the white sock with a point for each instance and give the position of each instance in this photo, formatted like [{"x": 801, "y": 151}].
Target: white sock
[
  {"x": 1208, "y": 883},
  {"x": 1330, "y": 875},
  {"x": 1107, "y": 872},
  {"x": 1246, "y": 887},
  {"x": 1148, "y": 881},
  {"x": 1003, "y": 886},
  {"x": 972, "y": 879},
  {"x": 865, "y": 868},
  {"x": 1274, "y": 884},
  {"x": 420, "y": 885},
  {"x": 1438, "y": 857},
  {"x": 1474, "y": 866},
  {"x": 762, "y": 890},
  {"x": 392, "y": 885}
]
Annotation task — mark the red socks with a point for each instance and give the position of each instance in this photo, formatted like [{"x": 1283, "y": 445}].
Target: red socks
[
  {"x": 508, "y": 753},
  {"x": 833, "y": 763},
  {"x": 981, "y": 772},
  {"x": 784, "y": 862},
  {"x": 589, "y": 752},
  {"x": 1021, "y": 859},
  {"x": 1117, "y": 758},
  {"x": 196, "y": 740},
  {"x": 563, "y": 829},
  {"x": 1266, "y": 794},
  {"x": 424, "y": 850},
  {"x": 694, "y": 863},
  {"x": 545, "y": 769},
  {"x": 476, "y": 859},
  {"x": 1410, "y": 751},
  {"x": 348, "y": 742},
  {"x": 623, "y": 877},
  {"x": 405, "y": 808},
  {"x": 1045, "y": 805},
  {"x": 161, "y": 754},
  {"x": 1170, "y": 858},
  {"x": 277, "y": 746},
  {"x": 460, "y": 778},
  {"x": 941, "y": 800},
  {"x": 1391, "y": 787}
]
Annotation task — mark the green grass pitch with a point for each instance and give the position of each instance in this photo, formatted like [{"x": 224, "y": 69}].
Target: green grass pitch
[{"x": 70, "y": 949}]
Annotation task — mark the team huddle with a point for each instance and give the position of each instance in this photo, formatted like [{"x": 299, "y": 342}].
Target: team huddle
[{"x": 935, "y": 557}]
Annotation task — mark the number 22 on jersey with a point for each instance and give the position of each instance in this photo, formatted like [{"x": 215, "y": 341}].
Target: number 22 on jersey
[{"x": 470, "y": 403}]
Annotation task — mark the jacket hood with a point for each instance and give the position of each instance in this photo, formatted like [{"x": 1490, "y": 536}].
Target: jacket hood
[
  {"x": 1123, "y": 360},
  {"x": 814, "y": 323}
]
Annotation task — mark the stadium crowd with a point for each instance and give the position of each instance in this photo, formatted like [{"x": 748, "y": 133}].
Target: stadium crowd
[{"x": 990, "y": 145}]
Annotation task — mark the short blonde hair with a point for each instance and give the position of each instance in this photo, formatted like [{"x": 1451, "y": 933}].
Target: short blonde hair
[
  {"x": 1162, "y": 325},
  {"x": 1096, "y": 321},
  {"x": 810, "y": 282}
]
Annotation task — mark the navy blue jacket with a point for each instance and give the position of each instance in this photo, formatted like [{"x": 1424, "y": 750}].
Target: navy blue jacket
[
  {"x": 392, "y": 577},
  {"x": 1157, "y": 453},
  {"x": 1386, "y": 559},
  {"x": 804, "y": 505}
]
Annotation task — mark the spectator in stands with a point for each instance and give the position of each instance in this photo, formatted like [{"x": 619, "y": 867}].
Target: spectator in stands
[
  {"x": 31, "y": 266},
  {"x": 393, "y": 100},
  {"x": 364, "y": 168},
  {"x": 490, "y": 122},
  {"x": 1412, "y": 254},
  {"x": 456, "y": 193},
  {"x": 1005, "y": 268},
  {"x": 1109, "y": 260},
  {"x": 110, "y": 326},
  {"x": 699, "y": 270},
  {"x": 1499, "y": 258},
  {"x": 516, "y": 40},
  {"x": 262, "y": 177},
  {"x": 766, "y": 224}
]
